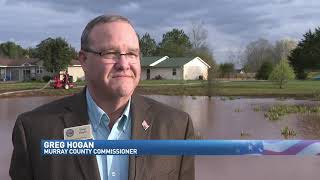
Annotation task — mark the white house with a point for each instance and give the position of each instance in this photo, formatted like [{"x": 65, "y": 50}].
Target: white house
[
  {"x": 75, "y": 70},
  {"x": 181, "y": 68}
]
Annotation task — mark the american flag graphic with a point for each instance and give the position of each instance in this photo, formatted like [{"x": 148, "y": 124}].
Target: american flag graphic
[
  {"x": 269, "y": 147},
  {"x": 291, "y": 147},
  {"x": 145, "y": 125}
]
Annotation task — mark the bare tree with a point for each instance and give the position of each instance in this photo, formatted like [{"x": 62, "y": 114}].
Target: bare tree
[
  {"x": 200, "y": 47},
  {"x": 258, "y": 52},
  {"x": 283, "y": 48},
  {"x": 198, "y": 35},
  {"x": 235, "y": 56}
]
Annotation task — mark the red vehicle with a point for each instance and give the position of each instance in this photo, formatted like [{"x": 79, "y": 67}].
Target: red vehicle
[{"x": 66, "y": 82}]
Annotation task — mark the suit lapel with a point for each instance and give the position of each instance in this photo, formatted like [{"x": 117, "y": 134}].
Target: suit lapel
[
  {"x": 139, "y": 111},
  {"x": 76, "y": 115},
  {"x": 140, "y": 114}
]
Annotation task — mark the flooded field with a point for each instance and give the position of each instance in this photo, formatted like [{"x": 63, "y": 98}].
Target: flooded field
[{"x": 218, "y": 118}]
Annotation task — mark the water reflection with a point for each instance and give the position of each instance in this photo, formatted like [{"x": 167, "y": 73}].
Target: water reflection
[
  {"x": 226, "y": 119},
  {"x": 213, "y": 119},
  {"x": 9, "y": 110},
  {"x": 309, "y": 126},
  {"x": 217, "y": 119}
]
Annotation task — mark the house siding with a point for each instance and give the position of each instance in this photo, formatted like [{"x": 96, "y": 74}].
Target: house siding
[
  {"x": 194, "y": 69},
  {"x": 40, "y": 76},
  {"x": 2, "y": 73},
  {"x": 165, "y": 73},
  {"x": 143, "y": 75},
  {"x": 77, "y": 73}
]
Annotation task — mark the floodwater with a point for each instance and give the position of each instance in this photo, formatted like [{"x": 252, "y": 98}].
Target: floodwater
[{"x": 213, "y": 119}]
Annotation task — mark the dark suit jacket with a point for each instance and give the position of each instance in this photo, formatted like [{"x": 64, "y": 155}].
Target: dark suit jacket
[{"x": 48, "y": 122}]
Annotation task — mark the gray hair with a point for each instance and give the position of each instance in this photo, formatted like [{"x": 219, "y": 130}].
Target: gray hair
[{"x": 85, "y": 41}]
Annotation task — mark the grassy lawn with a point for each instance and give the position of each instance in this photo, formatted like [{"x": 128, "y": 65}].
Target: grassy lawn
[
  {"x": 295, "y": 88},
  {"x": 292, "y": 88},
  {"x": 169, "y": 82},
  {"x": 239, "y": 88},
  {"x": 18, "y": 86},
  {"x": 6, "y": 87}
]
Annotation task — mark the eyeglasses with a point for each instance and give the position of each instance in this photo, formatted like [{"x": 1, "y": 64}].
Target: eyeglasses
[{"x": 114, "y": 56}]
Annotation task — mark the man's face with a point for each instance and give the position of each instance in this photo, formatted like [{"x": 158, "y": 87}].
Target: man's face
[{"x": 120, "y": 78}]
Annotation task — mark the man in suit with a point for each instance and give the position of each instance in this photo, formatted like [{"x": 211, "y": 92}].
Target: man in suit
[{"x": 110, "y": 58}]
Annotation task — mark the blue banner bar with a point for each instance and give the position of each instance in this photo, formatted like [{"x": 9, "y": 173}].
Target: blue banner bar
[{"x": 180, "y": 147}]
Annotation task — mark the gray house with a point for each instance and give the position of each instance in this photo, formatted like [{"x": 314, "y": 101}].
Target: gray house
[{"x": 21, "y": 69}]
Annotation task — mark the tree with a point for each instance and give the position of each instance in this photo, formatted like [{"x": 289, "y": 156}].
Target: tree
[
  {"x": 283, "y": 48},
  {"x": 226, "y": 69},
  {"x": 306, "y": 56},
  {"x": 11, "y": 50},
  {"x": 282, "y": 73},
  {"x": 175, "y": 43},
  {"x": 148, "y": 45},
  {"x": 235, "y": 56},
  {"x": 198, "y": 35},
  {"x": 74, "y": 53},
  {"x": 256, "y": 53},
  {"x": 205, "y": 53},
  {"x": 55, "y": 53},
  {"x": 31, "y": 52},
  {"x": 264, "y": 71},
  {"x": 200, "y": 48}
]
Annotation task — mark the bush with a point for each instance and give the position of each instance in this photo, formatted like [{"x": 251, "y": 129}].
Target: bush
[
  {"x": 46, "y": 78},
  {"x": 158, "y": 77},
  {"x": 282, "y": 73},
  {"x": 264, "y": 71},
  {"x": 301, "y": 74},
  {"x": 226, "y": 70},
  {"x": 200, "y": 77}
]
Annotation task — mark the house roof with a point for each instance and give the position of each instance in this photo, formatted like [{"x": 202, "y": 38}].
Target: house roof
[
  {"x": 155, "y": 61},
  {"x": 146, "y": 61},
  {"x": 174, "y": 62},
  {"x": 17, "y": 62}
]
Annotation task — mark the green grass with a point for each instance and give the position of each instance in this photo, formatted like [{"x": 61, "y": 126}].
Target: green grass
[
  {"x": 6, "y": 87},
  {"x": 240, "y": 88},
  {"x": 292, "y": 88},
  {"x": 277, "y": 111},
  {"x": 170, "y": 82},
  {"x": 308, "y": 88}
]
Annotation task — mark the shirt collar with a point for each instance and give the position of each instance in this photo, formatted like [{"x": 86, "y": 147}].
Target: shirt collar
[
  {"x": 96, "y": 114},
  {"x": 125, "y": 117}
]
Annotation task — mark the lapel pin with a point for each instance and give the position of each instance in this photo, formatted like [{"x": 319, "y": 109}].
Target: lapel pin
[
  {"x": 145, "y": 125},
  {"x": 78, "y": 132}
]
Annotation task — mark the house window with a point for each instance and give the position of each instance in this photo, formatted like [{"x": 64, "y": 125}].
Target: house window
[
  {"x": 174, "y": 71},
  {"x": 39, "y": 70}
]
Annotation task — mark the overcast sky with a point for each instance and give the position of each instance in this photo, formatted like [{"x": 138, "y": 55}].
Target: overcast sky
[{"x": 231, "y": 24}]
